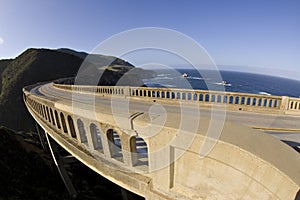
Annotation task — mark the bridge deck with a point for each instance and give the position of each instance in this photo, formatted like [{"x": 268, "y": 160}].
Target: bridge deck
[{"x": 285, "y": 127}]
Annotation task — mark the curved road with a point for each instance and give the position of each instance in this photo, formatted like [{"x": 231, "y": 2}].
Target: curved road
[{"x": 284, "y": 127}]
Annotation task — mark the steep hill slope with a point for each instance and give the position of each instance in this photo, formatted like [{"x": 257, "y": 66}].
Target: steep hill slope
[
  {"x": 32, "y": 66},
  {"x": 3, "y": 65},
  {"x": 42, "y": 65},
  {"x": 29, "y": 173}
]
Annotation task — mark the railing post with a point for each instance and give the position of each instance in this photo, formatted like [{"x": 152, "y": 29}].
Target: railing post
[
  {"x": 285, "y": 101},
  {"x": 126, "y": 91}
]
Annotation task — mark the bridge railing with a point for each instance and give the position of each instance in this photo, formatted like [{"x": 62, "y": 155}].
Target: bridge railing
[
  {"x": 232, "y": 99},
  {"x": 294, "y": 104},
  {"x": 107, "y": 90},
  {"x": 205, "y": 96}
]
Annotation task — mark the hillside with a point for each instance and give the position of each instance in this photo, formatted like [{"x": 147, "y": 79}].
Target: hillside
[
  {"x": 20, "y": 178},
  {"x": 3, "y": 65},
  {"x": 43, "y": 65},
  {"x": 29, "y": 173}
]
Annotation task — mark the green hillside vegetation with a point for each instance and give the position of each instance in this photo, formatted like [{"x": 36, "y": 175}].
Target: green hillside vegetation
[
  {"x": 27, "y": 172},
  {"x": 3, "y": 65},
  {"x": 24, "y": 175},
  {"x": 45, "y": 65},
  {"x": 32, "y": 66}
]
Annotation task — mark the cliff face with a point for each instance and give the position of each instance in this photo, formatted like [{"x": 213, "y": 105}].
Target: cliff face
[
  {"x": 42, "y": 65},
  {"x": 32, "y": 66},
  {"x": 27, "y": 172},
  {"x": 24, "y": 175}
]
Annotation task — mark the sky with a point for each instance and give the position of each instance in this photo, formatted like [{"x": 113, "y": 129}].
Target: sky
[{"x": 245, "y": 35}]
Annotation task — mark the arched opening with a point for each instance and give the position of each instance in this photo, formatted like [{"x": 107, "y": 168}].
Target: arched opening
[
  {"x": 219, "y": 99},
  {"x": 189, "y": 96},
  {"x": 45, "y": 113},
  {"x": 52, "y": 118},
  {"x": 231, "y": 98},
  {"x": 292, "y": 105},
  {"x": 48, "y": 114},
  {"x": 259, "y": 102},
  {"x": 168, "y": 95},
  {"x": 248, "y": 101},
  {"x": 207, "y": 98},
  {"x": 213, "y": 98},
  {"x": 201, "y": 97},
  {"x": 139, "y": 151},
  {"x": 153, "y": 94},
  {"x": 265, "y": 102},
  {"x": 96, "y": 138},
  {"x": 71, "y": 126},
  {"x": 114, "y": 143},
  {"x": 270, "y": 103},
  {"x": 225, "y": 99},
  {"x": 173, "y": 95},
  {"x": 82, "y": 132},
  {"x": 57, "y": 119},
  {"x": 183, "y": 96},
  {"x": 63, "y": 122},
  {"x": 195, "y": 97},
  {"x": 275, "y": 103},
  {"x": 237, "y": 100},
  {"x": 243, "y": 100}
]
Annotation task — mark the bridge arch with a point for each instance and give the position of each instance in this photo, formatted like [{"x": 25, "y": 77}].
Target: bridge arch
[
  {"x": 63, "y": 122},
  {"x": 45, "y": 114},
  {"x": 82, "y": 132},
  {"x": 71, "y": 126},
  {"x": 52, "y": 117},
  {"x": 139, "y": 151},
  {"x": 48, "y": 115},
  {"x": 57, "y": 119},
  {"x": 96, "y": 137},
  {"x": 114, "y": 144}
]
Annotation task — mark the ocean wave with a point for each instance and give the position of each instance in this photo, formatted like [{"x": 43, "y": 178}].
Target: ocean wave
[
  {"x": 264, "y": 93},
  {"x": 162, "y": 78},
  {"x": 169, "y": 86},
  {"x": 224, "y": 84},
  {"x": 160, "y": 75},
  {"x": 196, "y": 78}
]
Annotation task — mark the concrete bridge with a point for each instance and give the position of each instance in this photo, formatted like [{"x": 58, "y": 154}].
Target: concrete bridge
[{"x": 173, "y": 143}]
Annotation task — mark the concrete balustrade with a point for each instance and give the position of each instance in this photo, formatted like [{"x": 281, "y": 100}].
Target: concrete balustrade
[
  {"x": 294, "y": 104},
  {"x": 232, "y": 100},
  {"x": 97, "y": 138}
]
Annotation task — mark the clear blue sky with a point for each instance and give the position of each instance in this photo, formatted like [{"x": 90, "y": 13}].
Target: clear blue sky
[{"x": 261, "y": 33}]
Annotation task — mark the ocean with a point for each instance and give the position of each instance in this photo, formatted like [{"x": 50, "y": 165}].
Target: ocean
[{"x": 235, "y": 82}]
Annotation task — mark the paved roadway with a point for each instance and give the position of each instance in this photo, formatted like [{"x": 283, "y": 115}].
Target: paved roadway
[{"x": 284, "y": 127}]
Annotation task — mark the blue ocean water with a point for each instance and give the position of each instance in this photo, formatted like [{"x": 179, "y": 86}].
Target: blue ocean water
[{"x": 236, "y": 82}]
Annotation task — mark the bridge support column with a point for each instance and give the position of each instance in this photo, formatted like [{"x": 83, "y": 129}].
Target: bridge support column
[{"x": 60, "y": 164}]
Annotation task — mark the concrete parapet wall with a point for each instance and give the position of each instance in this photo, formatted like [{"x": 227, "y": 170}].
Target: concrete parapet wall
[{"x": 232, "y": 100}]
